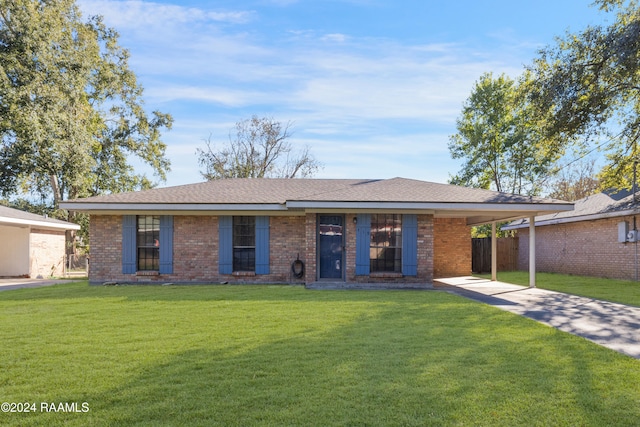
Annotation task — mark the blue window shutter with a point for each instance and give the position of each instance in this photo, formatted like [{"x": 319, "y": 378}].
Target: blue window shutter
[
  {"x": 262, "y": 245},
  {"x": 363, "y": 242},
  {"x": 410, "y": 245},
  {"x": 129, "y": 257},
  {"x": 225, "y": 244},
  {"x": 166, "y": 244}
]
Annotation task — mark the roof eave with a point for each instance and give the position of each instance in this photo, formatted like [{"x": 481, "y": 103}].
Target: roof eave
[
  {"x": 18, "y": 222},
  {"x": 448, "y": 206},
  {"x": 79, "y": 206},
  {"x": 476, "y": 213},
  {"x": 577, "y": 218}
]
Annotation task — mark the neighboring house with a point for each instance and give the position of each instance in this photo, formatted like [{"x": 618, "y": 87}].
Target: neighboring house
[
  {"x": 591, "y": 240},
  {"x": 395, "y": 231},
  {"x": 32, "y": 245}
]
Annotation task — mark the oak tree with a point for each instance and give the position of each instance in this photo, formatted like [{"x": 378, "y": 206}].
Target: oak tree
[
  {"x": 71, "y": 110},
  {"x": 499, "y": 141},
  {"x": 590, "y": 83}
]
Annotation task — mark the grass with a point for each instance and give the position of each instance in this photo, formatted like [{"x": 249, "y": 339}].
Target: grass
[
  {"x": 283, "y": 355},
  {"x": 621, "y": 291}
]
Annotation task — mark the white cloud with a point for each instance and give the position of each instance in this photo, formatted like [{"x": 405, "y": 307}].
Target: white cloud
[
  {"x": 364, "y": 105},
  {"x": 394, "y": 82},
  {"x": 139, "y": 14},
  {"x": 212, "y": 94},
  {"x": 336, "y": 38}
]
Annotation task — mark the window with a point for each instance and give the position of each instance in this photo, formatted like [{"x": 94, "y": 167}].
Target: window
[
  {"x": 386, "y": 243},
  {"x": 148, "y": 242},
  {"x": 244, "y": 243}
]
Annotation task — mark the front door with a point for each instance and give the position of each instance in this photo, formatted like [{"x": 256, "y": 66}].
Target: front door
[{"x": 330, "y": 246}]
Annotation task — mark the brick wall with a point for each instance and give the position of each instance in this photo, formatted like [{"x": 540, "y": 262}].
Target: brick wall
[
  {"x": 451, "y": 247},
  {"x": 588, "y": 248},
  {"x": 310, "y": 224},
  {"x": 195, "y": 252},
  {"x": 286, "y": 244},
  {"x": 105, "y": 246},
  {"x": 426, "y": 247},
  {"x": 47, "y": 249}
]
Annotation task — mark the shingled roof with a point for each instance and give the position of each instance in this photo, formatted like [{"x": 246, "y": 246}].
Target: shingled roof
[
  {"x": 300, "y": 194},
  {"x": 597, "y": 206},
  {"x": 16, "y": 217}
]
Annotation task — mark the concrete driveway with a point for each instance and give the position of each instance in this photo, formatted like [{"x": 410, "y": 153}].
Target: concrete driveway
[
  {"x": 616, "y": 326},
  {"x": 9, "y": 284}
]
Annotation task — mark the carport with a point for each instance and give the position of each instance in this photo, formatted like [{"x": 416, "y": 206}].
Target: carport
[{"x": 511, "y": 213}]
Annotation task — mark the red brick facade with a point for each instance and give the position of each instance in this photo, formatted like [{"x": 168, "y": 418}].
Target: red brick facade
[
  {"x": 444, "y": 249},
  {"x": 451, "y": 247},
  {"x": 588, "y": 248}
]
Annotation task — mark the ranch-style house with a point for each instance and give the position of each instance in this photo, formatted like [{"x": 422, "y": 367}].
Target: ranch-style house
[{"x": 380, "y": 232}]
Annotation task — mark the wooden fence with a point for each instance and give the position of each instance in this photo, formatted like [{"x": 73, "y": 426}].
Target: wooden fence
[{"x": 481, "y": 254}]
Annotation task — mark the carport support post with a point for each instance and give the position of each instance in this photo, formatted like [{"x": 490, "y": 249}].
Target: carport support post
[
  {"x": 532, "y": 251},
  {"x": 494, "y": 253}
]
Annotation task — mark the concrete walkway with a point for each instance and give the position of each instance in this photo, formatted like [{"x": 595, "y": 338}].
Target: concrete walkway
[
  {"x": 616, "y": 326},
  {"x": 9, "y": 284}
]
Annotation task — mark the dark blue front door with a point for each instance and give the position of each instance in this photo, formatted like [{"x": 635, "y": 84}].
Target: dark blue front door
[{"x": 330, "y": 246}]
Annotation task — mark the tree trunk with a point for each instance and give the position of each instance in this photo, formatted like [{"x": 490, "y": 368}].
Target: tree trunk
[{"x": 55, "y": 188}]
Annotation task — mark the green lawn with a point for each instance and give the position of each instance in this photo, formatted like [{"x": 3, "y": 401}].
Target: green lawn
[
  {"x": 622, "y": 291},
  {"x": 283, "y": 355}
]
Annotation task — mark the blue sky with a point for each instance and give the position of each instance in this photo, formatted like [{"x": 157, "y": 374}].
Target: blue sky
[{"x": 374, "y": 87}]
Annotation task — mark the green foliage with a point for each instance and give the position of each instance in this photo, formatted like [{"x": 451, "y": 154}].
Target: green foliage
[
  {"x": 282, "y": 355},
  {"x": 260, "y": 148},
  {"x": 499, "y": 139},
  {"x": 30, "y": 206},
  {"x": 590, "y": 82},
  {"x": 71, "y": 110},
  {"x": 484, "y": 230},
  {"x": 574, "y": 181}
]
